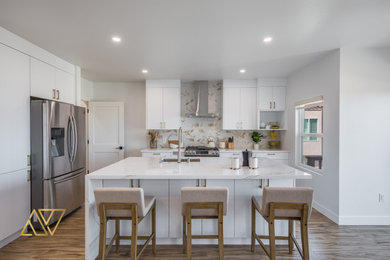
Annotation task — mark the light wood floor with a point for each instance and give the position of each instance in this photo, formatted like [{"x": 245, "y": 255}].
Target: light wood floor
[{"x": 327, "y": 241}]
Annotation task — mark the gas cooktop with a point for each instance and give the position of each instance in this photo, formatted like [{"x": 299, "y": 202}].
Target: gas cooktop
[{"x": 201, "y": 151}]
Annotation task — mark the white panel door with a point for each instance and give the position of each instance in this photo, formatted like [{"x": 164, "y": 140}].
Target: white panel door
[
  {"x": 210, "y": 226},
  {"x": 154, "y": 108},
  {"x": 265, "y": 98},
  {"x": 15, "y": 202},
  {"x": 279, "y": 96},
  {"x": 248, "y": 108},
  {"x": 43, "y": 80},
  {"x": 65, "y": 84},
  {"x": 231, "y": 108},
  {"x": 171, "y": 108},
  {"x": 14, "y": 109},
  {"x": 106, "y": 134}
]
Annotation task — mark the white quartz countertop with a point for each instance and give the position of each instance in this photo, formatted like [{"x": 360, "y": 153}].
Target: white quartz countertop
[{"x": 207, "y": 168}]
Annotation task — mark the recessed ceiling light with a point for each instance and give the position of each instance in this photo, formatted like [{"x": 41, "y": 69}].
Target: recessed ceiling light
[
  {"x": 242, "y": 71},
  {"x": 267, "y": 39},
  {"x": 116, "y": 39},
  {"x": 144, "y": 71}
]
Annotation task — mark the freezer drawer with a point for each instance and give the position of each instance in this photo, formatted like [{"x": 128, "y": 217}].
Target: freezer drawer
[{"x": 65, "y": 192}]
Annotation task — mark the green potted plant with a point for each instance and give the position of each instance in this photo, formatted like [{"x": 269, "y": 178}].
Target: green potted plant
[{"x": 256, "y": 137}]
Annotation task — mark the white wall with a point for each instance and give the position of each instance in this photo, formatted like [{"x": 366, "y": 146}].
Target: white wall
[
  {"x": 320, "y": 78},
  {"x": 133, "y": 96},
  {"x": 364, "y": 136}
]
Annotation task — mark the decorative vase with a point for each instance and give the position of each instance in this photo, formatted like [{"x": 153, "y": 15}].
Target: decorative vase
[
  {"x": 256, "y": 146},
  {"x": 153, "y": 144}
]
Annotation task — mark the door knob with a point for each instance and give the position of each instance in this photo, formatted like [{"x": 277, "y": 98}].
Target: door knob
[{"x": 119, "y": 148}]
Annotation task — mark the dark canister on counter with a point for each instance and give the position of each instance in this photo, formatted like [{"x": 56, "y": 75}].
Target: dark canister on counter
[{"x": 246, "y": 155}]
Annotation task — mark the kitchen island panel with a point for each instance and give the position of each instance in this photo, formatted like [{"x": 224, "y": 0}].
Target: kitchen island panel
[{"x": 210, "y": 226}]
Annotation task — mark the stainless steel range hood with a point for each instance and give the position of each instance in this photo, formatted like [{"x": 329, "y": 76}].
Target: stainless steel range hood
[{"x": 202, "y": 101}]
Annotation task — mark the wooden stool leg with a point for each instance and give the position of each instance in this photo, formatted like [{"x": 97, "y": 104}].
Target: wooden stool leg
[
  {"x": 189, "y": 234},
  {"x": 253, "y": 228},
  {"x": 272, "y": 248},
  {"x": 290, "y": 234},
  {"x": 134, "y": 230},
  {"x": 220, "y": 231},
  {"x": 305, "y": 240},
  {"x": 154, "y": 229},
  {"x": 117, "y": 231},
  {"x": 184, "y": 234},
  {"x": 102, "y": 238}
]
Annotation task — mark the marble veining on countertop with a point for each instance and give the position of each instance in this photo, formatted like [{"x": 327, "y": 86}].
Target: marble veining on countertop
[{"x": 207, "y": 168}]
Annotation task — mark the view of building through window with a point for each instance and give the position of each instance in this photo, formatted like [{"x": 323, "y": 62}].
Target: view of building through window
[{"x": 310, "y": 121}]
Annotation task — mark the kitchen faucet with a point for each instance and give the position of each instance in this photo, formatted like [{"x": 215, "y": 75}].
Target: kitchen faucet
[{"x": 180, "y": 137}]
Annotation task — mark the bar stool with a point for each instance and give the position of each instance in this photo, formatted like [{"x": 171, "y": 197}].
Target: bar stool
[
  {"x": 283, "y": 204},
  {"x": 203, "y": 203},
  {"x": 124, "y": 204}
]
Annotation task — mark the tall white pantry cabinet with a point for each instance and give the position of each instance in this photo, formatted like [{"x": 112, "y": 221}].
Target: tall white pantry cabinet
[{"x": 25, "y": 70}]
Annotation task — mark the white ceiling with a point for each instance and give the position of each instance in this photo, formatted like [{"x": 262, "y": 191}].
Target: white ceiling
[{"x": 195, "y": 39}]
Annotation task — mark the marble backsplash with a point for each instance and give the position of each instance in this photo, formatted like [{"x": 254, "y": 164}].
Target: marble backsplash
[{"x": 196, "y": 131}]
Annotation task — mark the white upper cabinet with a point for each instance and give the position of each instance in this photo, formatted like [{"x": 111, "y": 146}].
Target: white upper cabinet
[
  {"x": 163, "y": 104},
  {"x": 239, "y": 105},
  {"x": 65, "y": 84},
  {"x": 43, "y": 80},
  {"x": 272, "y": 94},
  {"x": 231, "y": 108},
  {"x": 51, "y": 83},
  {"x": 14, "y": 109}
]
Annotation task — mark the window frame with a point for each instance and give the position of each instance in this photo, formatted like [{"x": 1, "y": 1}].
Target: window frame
[{"x": 299, "y": 134}]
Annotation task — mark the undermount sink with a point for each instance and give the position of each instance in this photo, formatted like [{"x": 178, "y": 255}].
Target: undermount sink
[{"x": 182, "y": 160}]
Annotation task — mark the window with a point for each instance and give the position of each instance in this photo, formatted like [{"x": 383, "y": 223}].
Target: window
[{"x": 309, "y": 134}]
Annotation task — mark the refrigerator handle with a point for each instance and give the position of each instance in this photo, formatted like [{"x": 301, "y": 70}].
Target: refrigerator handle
[
  {"x": 70, "y": 138},
  {"x": 75, "y": 138}
]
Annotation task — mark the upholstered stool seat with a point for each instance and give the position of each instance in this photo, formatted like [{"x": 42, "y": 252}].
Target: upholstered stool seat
[
  {"x": 124, "y": 204},
  {"x": 280, "y": 203},
  {"x": 203, "y": 203}
]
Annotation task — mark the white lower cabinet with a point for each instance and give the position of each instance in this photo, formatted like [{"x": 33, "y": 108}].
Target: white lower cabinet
[
  {"x": 158, "y": 154},
  {"x": 14, "y": 201},
  {"x": 175, "y": 217},
  {"x": 244, "y": 190},
  {"x": 210, "y": 226},
  {"x": 280, "y": 156},
  {"x": 159, "y": 189}
]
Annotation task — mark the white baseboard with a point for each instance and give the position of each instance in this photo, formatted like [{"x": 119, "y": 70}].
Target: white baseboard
[
  {"x": 365, "y": 220},
  {"x": 9, "y": 239},
  {"x": 326, "y": 212}
]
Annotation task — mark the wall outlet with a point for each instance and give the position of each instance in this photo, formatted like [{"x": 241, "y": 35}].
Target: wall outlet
[{"x": 381, "y": 198}]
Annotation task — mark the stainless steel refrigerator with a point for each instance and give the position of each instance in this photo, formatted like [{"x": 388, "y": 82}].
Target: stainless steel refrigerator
[{"x": 58, "y": 163}]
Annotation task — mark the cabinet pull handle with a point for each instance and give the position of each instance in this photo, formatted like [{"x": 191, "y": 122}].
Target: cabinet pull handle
[
  {"x": 261, "y": 184},
  {"x": 236, "y": 154},
  {"x": 58, "y": 94},
  {"x": 270, "y": 105},
  {"x": 156, "y": 153},
  {"x": 54, "y": 93},
  {"x": 267, "y": 182},
  {"x": 271, "y": 154},
  {"x": 28, "y": 160},
  {"x": 274, "y": 104}
]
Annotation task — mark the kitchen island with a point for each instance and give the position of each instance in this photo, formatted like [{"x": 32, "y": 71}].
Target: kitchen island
[{"x": 164, "y": 181}]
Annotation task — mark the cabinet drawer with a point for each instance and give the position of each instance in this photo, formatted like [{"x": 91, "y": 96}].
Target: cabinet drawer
[
  {"x": 272, "y": 155},
  {"x": 230, "y": 154},
  {"x": 157, "y": 154}
]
